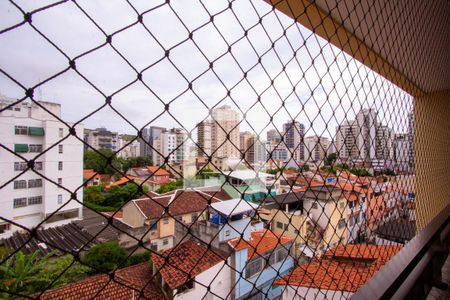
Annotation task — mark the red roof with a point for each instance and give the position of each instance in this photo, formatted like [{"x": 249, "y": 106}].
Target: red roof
[
  {"x": 180, "y": 202},
  {"x": 260, "y": 242},
  {"x": 116, "y": 214},
  {"x": 344, "y": 268},
  {"x": 185, "y": 261},
  {"x": 158, "y": 171},
  {"x": 126, "y": 284},
  {"x": 121, "y": 181},
  {"x": 90, "y": 174}
]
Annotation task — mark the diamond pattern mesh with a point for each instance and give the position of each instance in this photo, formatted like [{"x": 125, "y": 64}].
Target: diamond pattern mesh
[{"x": 283, "y": 149}]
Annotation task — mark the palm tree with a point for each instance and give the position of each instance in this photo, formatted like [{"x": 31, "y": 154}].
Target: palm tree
[{"x": 19, "y": 273}]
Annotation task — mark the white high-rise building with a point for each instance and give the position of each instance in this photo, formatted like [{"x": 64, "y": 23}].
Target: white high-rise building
[
  {"x": 385, "y": 143},
  {"x": 101, "y": 138},
  {"x": 170, "y": 144},
  {"x": 294, "y": 133},
  {"x": 129, "y": 149},
  {"x": 346, "y": 141},
  {"x": 401, "y": 153},
  {"x": 35, "y": 137},
  {"x": 316, "y": 148},
  {"x": 220, "y": 137},
  {"x": 366, "y": 122}
]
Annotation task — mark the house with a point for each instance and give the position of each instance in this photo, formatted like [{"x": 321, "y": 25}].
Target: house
[
  {"x": 257, "y": 256},
  {"x": 151, "y": 176},
  {"x": 127, "y": 283},
  {"x": 191, "y": 270},
  {"x": 286, "y": 216},
  {"x": 338, "y": 274},
  {"x": 259, "y": 260},
  {"x": 158, "y": 215},
  {"x": 327, "y": 216},
  {"x": 250, "y": 185}
]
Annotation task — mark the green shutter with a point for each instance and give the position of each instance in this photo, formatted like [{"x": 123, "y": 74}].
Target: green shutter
[
  {"x": 20, "y": 148},
  {"x": 39, "y": 131}
]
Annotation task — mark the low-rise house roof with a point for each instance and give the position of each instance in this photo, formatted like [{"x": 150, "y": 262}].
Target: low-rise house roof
[
  {"x": 179, "y": 202},
  {"x": 234, "y": 207},
  {"x": 260, "y": 242},
  {"x": 184, "y": 262},
  {"x": 126, "y": 284},
  {"x": 344, "y": 268}
]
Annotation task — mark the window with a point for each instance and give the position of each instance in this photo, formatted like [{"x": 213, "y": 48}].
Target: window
[
  {"x": 280, "y": 225},
  {"x": 20, "y": 184},
  {"x": 227, "y": 233},
  {"x": 60, "y": 181},
  {"x": 165, "y": 242},
  {"x": 33, "y": 183},
  {"x": 59, "y": 199},
  {"x": 60, "y": 165},
  {"x": 154, "y": 247},
  {"x": 342, "y": 223},
  {"x": 253, "y": 267},
  {"x": 4, "y": 227},
  {"x": 20, "y": 166},
  {"x": 61, "y": 132},
  {"x": 36, "y": 131},
  {"x": 35, "y": 148},
  {"x": 342, "y": 204},
  {"x": 21, "y": 148},
  {"x": 21, "y": 130},
  {"x": 38, "y": 165},
  {"x": 315, "y": 205},
  {"x": 166, "y": 221},
  {"x": 60, "y": 148},
  {"x": 35, "y": 200},
  {"x": 188, "y": 285},
  {"x": 153, "y": 225},
  {"x": 282, "y": 254},
  {"x": 194, "y": 217},
  {"x": 20, "y": 202}
]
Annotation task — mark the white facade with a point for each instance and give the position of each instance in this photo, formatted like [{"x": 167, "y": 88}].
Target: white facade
[
  {"x": 309, "y": 293},
  {"x": 171, "y": 144},
  {"x": 217, "y": 278},
  {"x": 28, "y": 130},
  {"x": 101, "y": 138},
  {"x": 366, "y": 120},
  {"x": 346, "y": 141},
  {"x": 130, "y": 149},
  {"x": 385, "y": 143},
  {"x": 316, "y": 148}
]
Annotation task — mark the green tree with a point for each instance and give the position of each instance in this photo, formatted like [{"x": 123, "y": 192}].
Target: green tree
[
  {"x": 4, "y": 252},
  {"x": 116, "y": 196},
  {"x": 135, "y": 162},
  {"x": 305, "y": 168},
  {"x": 329, "y": 161},
  {"x": 20, "y": 274},
  {"x": 94, "y": 194},
  {"x": 167, "y": 187},
  {"x": 105, "y": 257},
  {"x": 99, "y": 161}
]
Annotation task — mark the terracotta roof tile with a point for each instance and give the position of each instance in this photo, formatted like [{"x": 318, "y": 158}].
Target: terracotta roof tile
[
  {"x": 127, "y": 284},
  {"x": 187, "y": 258},
  {"x": 260, "y": 242},
  {"x": 158, "y": 171},
  {"x": 344, "y": 268}
]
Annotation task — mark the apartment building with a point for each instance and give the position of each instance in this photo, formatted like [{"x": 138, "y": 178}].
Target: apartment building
[
  {"x": 385, "y": 143},
  {"x": 220, "y": 136},
  {"x": 346, "y": 141},
  {"x": 294, "y": 133},
  {"x": 36, "y": 138},
  {"x": 149, "y": 134},
  {"x": 316, "y": 148},
  {"x": 101, "y": 138},
  {"x": 171, "y": 145},
  {"x": 129, "y": 148}
]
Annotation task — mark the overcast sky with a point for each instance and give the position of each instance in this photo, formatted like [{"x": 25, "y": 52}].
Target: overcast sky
[{"x": 324, "y": 78}]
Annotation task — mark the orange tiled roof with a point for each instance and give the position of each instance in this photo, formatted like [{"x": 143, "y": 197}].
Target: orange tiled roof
[
  {"x": 121, "y": 181},
  {"x": 180, "y": 202},
  {"x": 188, "y": 258},
  {"x": 260, "y": 242},
  {"x": 90, "y": 174},
  {"x": 341, "y": 268},
  {"x": 127, "y": 284},
  {"x": 158, "y": 171}
]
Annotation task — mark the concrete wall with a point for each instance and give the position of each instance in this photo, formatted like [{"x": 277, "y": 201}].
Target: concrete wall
[{"x": 305, "y": 293}]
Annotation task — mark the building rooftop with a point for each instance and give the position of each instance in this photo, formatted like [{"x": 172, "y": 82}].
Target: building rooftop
[
  {"x": 344, "y": 268},
  {"x": 234, "y": 207},
  {"x": 185, "y": 261},
  {"x": 260, "y": 242},
  {"x": 126, "y": 284},
  {"x": 247, "y": 174}
]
